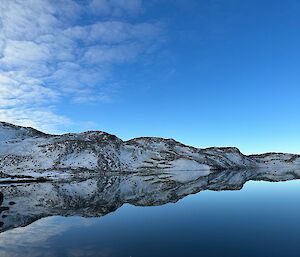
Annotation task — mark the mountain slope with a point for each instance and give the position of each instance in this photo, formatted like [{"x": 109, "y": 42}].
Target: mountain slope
[{"x": 23, "y": 150}]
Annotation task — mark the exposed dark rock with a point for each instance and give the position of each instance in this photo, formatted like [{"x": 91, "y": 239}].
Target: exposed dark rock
[{"x": 2, "y": 208}]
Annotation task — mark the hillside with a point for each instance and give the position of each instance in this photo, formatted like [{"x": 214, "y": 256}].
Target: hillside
[{"x": 26, "y": 150}]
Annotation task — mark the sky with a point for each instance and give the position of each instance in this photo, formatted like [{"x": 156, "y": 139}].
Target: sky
[{"x": 205, "y": 72}]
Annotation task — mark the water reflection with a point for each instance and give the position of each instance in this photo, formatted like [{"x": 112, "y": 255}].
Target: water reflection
[{"x": 96, "y": 196}]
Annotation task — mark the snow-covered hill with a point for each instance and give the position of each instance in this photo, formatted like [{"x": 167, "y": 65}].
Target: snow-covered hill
[{"x": 26, "y": 150}]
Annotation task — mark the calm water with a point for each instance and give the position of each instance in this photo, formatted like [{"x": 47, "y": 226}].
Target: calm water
[{"x": 261, "y": 219}]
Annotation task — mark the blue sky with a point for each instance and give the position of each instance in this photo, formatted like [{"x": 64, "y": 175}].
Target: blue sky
[{"x": 206, "y": 72}]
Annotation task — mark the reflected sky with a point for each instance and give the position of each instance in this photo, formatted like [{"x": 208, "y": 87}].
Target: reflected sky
[{"x": 262, "y": 219}]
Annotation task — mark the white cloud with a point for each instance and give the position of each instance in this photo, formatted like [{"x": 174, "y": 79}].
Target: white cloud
[
  {"x": 48, "y": 53},
  {"x": 41, "y": 119},
  {"x": 115, "y": 7},
  {"x": 22, "y": 54},
  {"x": 26, "y": 20},
  {"x": 113, "y": 32},
  {"x": 16, "y": 89},
  {"x": 107, "y": 54}
]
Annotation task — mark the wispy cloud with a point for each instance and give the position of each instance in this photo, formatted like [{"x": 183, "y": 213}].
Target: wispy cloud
[
  {"x": 33, "y": 240},
  {"x": 65, "y": 49},
  {"x": 42, "y": 118},
  {"x": 115, "y": 7}
]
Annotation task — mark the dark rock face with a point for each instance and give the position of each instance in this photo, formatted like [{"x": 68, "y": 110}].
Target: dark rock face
[
  {"x": 2, "y": 208},
  {"x": 1, "y": 198}
]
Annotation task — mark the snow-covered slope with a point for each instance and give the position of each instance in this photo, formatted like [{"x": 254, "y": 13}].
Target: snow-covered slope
[
  {"x": 23, "y": 150},
  {"x": 9, "y": 132}
]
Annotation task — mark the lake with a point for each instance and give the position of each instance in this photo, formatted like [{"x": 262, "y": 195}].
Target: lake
[{"x": 145, "y": 215}]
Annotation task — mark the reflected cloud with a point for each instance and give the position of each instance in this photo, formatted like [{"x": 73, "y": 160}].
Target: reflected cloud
[{"x": 18, "y": 241}]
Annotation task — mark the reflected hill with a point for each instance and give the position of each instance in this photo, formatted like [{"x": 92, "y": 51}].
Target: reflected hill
[{"x": 96, "y": 196}]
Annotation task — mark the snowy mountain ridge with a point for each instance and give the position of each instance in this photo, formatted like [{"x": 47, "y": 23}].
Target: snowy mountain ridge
[{"x": 26, "y": 149}]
